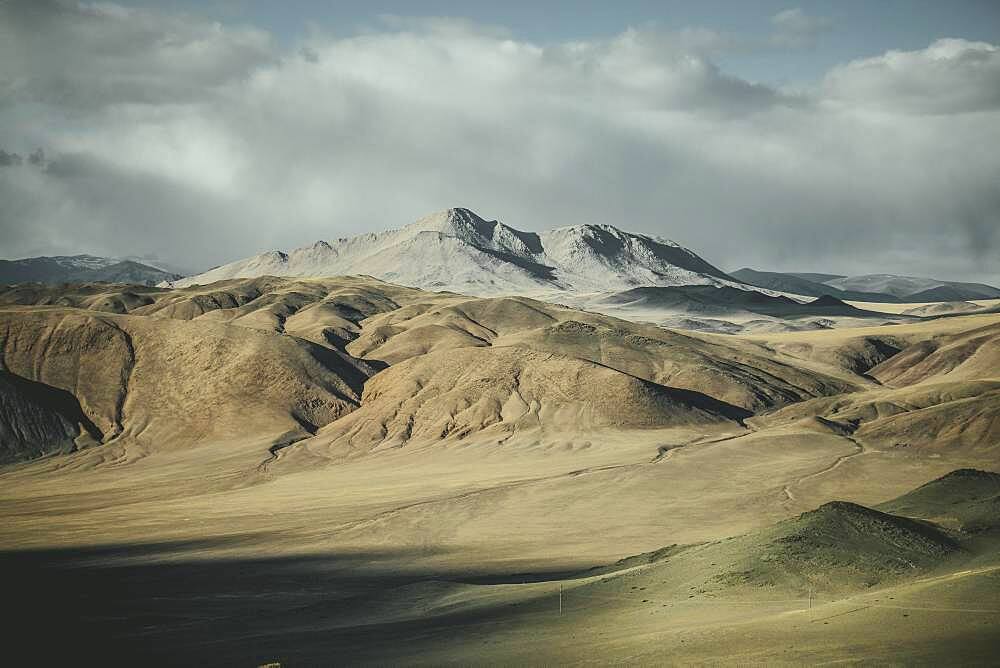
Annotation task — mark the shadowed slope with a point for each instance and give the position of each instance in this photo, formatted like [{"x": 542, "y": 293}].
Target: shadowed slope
[{"x": 37, "y": 419}]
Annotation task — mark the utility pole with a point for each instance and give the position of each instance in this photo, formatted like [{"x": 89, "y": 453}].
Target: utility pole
[{"x": 560, "y": 599}]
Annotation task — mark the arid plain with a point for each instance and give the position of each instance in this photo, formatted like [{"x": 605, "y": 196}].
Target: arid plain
[{"x": 315, "y": 471}]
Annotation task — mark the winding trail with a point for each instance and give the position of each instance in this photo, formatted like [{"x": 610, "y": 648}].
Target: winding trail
[
  {"x": 859, "y": 450},
  {"x": 665, "y": 452},
  {"x": 477, "y": 492}
]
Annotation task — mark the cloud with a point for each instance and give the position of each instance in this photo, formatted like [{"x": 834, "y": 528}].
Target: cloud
[
  {"x": 950, "y": 76},
  {"x": 36, "y": 159},
  {"x": 88, "y": 55},
  {"x": 10, "y": 159},
  {"x": 252, "y": 145}
]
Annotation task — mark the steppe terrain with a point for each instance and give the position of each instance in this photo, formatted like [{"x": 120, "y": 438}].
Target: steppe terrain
[{"x": 341, "y": 470}]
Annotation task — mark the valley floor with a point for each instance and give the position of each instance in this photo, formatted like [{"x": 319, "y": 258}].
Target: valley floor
[{"x": 458, "y": 554}]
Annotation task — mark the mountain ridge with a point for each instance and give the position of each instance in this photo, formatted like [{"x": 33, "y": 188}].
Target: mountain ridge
[
  {"x": 879, "y": 288},
  {"x": 807, "y": 285},
  {"x": 457, "y": 250},
  {"x": 82, "y": 269}
]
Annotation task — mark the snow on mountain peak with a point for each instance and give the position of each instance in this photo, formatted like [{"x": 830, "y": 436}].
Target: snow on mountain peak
[
  {"x": 456, "y": 249},
  {"x": 82, "y": 261},
  {"x": 467, "y": 226}
]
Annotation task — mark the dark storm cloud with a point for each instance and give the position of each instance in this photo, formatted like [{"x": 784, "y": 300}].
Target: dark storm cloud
[
  {"x": 10, "y": 159},
  {"x": 205, "y": 143},
  {"x": 979, "y": 218},
  {"x": 90, "y": 55}
]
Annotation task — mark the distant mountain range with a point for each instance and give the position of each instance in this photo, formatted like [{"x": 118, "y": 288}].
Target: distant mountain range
[
  {"x": 81, "y": 269},
  {"x": 457, "y": 250},
  {"x": 884, "y": 288}
]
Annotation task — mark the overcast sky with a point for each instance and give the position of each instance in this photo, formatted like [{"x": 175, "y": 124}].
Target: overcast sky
[{"x": 841, "y": 137}]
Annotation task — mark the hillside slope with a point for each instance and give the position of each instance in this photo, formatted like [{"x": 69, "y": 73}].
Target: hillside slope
[
  {"x": 174, "y": 367},
  {"x": 494, "y": 392},
  {"x": 163, "y": 383}
]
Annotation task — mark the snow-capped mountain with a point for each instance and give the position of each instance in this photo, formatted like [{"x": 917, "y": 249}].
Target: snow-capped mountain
[
  {"x": 457, "y": 250},
  {"x": 80, "y": 269}
]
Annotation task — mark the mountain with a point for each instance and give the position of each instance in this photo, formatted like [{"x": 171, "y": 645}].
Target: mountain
[
  {"x": 806, "y": 284},
  {"x": 723, "y": 300},
  {"x": 151, "y": 260},
  {"x": 459, "y": 251},
  {"x": 815, "y": 277},
  {"x": 81, "y": 269},
  {"x": 955, "y": 292},
  {"x": 885, "y": 288},
  {"x": 915, "y": 288}
]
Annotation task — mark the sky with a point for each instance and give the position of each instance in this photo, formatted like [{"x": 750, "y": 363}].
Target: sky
[{"x": 843, "y": 137}]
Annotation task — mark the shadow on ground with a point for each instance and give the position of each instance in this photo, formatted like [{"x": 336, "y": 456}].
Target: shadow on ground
[{"x": 162, "y": 604}]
